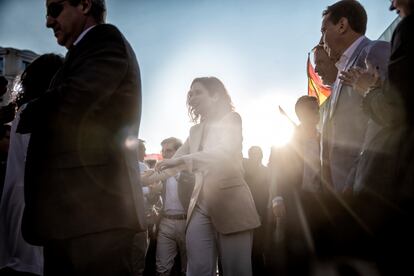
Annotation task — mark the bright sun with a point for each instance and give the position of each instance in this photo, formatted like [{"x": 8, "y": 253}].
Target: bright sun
[{"x": 264, "y": 126}]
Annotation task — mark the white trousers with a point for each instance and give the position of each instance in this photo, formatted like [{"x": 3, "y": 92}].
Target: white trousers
[{"x": 205, "y": 245}]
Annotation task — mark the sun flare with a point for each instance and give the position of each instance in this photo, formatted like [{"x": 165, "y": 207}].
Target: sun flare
[{"x": 265, "y": 126}]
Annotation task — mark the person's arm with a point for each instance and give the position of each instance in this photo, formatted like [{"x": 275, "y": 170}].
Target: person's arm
[
  {"x": 175, "y": 164},
  {"x": 384, "y": 105},
  {"x": 229, "y": 143},
  {"x": 150, "y": 177},
  {"x": 226, "y": 147}
]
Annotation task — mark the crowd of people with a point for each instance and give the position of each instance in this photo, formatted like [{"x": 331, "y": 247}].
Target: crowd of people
[{"x": 79, "y": 198}]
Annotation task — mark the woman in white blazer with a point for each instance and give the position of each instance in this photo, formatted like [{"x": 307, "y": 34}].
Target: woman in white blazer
[{"x": 221, "y": 214}]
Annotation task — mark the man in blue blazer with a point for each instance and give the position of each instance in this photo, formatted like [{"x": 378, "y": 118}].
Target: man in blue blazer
[{"x": 345, "y": 123}]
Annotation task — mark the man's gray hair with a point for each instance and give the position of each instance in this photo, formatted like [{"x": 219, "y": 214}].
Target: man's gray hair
[{"x": 98, "y": 9}]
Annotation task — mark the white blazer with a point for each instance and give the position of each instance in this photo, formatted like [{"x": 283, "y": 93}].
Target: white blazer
[{"x": 214, "y": 154}]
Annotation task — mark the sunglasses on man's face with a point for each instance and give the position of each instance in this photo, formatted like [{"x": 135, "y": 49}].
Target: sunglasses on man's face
[{"x": 54, "y": 9}]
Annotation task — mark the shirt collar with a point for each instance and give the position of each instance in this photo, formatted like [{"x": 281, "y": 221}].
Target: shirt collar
[
  {"x": 344, "y": 59},
  {"x": 82, "y": 35}
]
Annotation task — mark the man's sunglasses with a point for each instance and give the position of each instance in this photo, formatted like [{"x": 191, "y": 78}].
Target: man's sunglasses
[
  {"x": 54, "y": 9},
  {"x": 392, "y": 5}
]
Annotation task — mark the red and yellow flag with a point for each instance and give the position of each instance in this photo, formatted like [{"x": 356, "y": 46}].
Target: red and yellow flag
[{"x": 315, "y": 86}]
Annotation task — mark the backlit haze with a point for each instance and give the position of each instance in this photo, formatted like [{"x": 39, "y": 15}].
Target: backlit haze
[{"x": 257, "y": 48}]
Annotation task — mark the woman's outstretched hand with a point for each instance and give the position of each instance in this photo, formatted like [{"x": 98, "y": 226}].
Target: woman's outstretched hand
[{"x": 167, "y": 164}]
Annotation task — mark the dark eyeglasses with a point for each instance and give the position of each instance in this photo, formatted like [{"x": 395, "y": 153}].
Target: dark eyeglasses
[
  {"x": 392, "y": 5},
  {"x": 54, "y": 9}
]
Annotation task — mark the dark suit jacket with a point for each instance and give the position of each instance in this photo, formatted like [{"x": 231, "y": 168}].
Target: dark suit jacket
[
  {"x": 257, "y": 178},
  {"x": 316, "y": 224},
  {"x": 286, "y": 165},
  {"x": 401, "y": 63},
  {"x": 391, "y": 107},
  {"x": 80, "y": 174}
]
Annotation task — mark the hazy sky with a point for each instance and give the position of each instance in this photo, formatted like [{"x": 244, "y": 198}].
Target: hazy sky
[{"x": 257, "y": 48}]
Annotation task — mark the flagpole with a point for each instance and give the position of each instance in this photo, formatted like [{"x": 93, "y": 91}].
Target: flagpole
[{"x": 287, "y": 116}]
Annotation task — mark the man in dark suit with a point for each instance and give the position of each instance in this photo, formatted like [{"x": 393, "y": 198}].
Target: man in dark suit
[
  {"x": 295, "y": 174},
  {"x": 386, "y": 197},
  {"x": 83, "y": 203}
]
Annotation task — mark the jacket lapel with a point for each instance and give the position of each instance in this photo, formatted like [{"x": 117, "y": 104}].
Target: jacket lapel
[
  {"x": 195, "y": 141},
  {"x": 350, "y": 63},
  {"x": 196, "y": 136}
]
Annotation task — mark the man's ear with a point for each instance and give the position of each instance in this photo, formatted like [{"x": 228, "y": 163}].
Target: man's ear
[
  {"x": 86, "y": 6},
  {"x": 343, "y": 25}
]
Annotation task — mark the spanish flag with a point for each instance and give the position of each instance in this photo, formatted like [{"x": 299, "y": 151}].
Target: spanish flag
[{"x": 315, "y": 85}]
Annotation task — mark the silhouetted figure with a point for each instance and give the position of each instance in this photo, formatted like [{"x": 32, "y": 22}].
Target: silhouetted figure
[
  {"x": 295, "y": 176},
  {"x": 257, "y": 178},
  {"x": 327, "y": 71},
  {"x": 324, "y": 65},
  {"x": 7, "y": 111},
  {"x": 4, "y": 151},
  {"x": 83, "y": 200},
  {"x": 385, "y": 198},
  {"x": 3, "y": 85},
  {"x": 16, "y": 255}
]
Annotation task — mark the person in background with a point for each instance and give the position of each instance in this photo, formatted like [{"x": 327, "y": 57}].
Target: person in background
[
  {"x": 296, "y": 172},
  {"x": 257, "y": 178},
  {"x": 7, "y": 112},
  {"x": 324, "y": 65},
  {"x": 17, "y": 257},
  {"x": 3, "y": 85},
  {"x": 304, "y": 149},
  {"x": 151, "y": 163},
  {"x": 176, "y": 192},
  {"x": 4, "y": 151},
  {"x": 327, "y": 71},
  {"x": 141, "y": 156}
]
